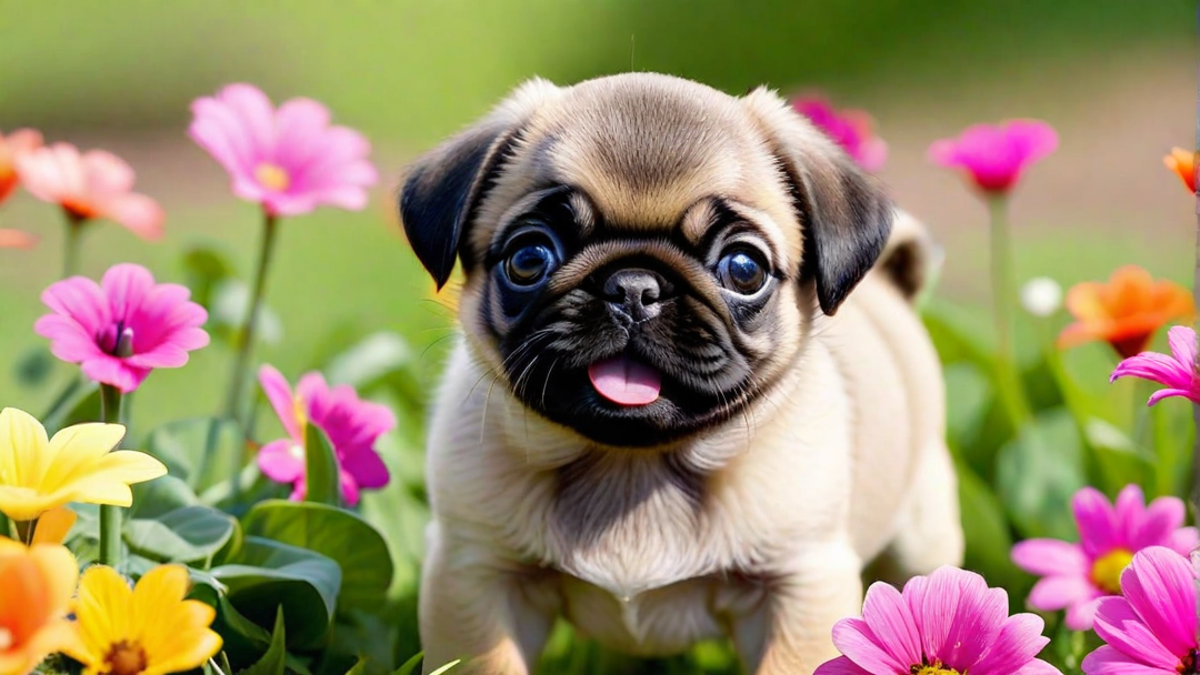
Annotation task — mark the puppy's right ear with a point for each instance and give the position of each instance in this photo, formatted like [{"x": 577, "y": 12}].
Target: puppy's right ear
[{"x": 444, "y": 186}]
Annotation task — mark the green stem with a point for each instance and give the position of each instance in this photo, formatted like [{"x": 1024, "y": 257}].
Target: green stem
[
  {"x": 1012, "y": 392},
  {"x": 110, "y": 516},
  {"x": 71, "y": 244},
  {"x": 237, "y": 385}
]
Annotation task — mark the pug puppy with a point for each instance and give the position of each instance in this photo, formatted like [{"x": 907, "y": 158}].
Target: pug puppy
[{"x": 691, "y": 397}]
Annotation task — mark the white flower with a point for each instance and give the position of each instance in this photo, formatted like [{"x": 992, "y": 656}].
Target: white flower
[{"x": 1041, "y": 296}]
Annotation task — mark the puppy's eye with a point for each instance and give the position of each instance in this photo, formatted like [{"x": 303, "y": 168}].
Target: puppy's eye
[
  {"x": 530, "y": 264},
  {"x": 741, "y": 271}
]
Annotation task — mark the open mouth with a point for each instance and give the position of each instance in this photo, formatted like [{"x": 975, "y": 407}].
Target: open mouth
[{"x": 625, "y": 381}]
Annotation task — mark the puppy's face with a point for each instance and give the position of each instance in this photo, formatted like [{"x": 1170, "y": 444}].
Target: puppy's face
[{"x": 643, "y": 254}]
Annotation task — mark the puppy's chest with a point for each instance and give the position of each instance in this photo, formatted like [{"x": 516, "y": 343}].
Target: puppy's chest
[{"x": 631, "y": 525}]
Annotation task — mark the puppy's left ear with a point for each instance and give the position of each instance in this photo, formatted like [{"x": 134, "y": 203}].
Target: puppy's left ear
[
  {"x": 844, "y": 211},
  {"x": 443, "y": 187}
]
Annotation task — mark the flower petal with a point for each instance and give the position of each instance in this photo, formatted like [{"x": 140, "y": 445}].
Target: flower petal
[
  {"x": 1118, "y": 625},
  {"x": 279, "y": 463},
  {"x": 841, "y": 666},
  {"x": 1053, "y": 593},
  {"x": 136, "y": 212},
  {"x": 1183, "y": 344},
  {"x": 1020, "y": 639},
  {"x": 1161, "y": 587},
  {"x": 25, "y": 451},
  {"x": 1108, "y": 661},
  {"x": 81, "y": 300},
  {"x": 1050, "y": 557},
  {"x": 854, "y": 638},
  {"x": 254, "y": 110},
  {"x": 1097, "y": 522},
  {"x": 890, "y": 618},
  {"x": 1159, "y": 521},
  {"x": 279, "y": 393}
]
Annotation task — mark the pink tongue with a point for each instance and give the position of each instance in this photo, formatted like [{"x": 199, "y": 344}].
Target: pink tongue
[{"x": 625, "y": 381}]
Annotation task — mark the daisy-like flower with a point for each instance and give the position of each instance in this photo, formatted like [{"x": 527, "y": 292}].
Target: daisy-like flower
[
  {"x": 1176, "y": 372},
  {"x": 994, "y": 157},
  {"x": 1076, "y": 576},
  {"x": 853, "y": 130},
  {"x": 91, "y": 185},
  {"x": 1183, "y": 163},
  {"x": 1041, "y": 296},
  {"x": 150, "y": 629},
  {"x": 122, "y": 328},
  {"x": 352, "y": 426},
  {"x": 1126, "y": 311},
  {"x": 39, "y": 474},
  {"x": 36, "y": 584},
  {"x": 945, "y": 624},
  {"x": 290, "y": 160},
  {"x": 18, "y": 142},
  {"x": 1152, "y": 629},
  {"x": 17, "y": 239}
]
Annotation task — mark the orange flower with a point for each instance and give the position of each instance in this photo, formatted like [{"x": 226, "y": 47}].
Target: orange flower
[
  {"x": 21, "y": 140},
  {"x": 36, "y": 585},
  {"x": 1183, "y": 163},
  {"x": 1126, "y": 311},
  {"x": 15, "y": 238}
]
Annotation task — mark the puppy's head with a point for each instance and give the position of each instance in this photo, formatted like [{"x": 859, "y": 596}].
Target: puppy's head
[{"x": 643, "y": 254}]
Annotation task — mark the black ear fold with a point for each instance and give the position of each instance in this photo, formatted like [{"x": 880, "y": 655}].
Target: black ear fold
[
  {"x": 845, "y": 213},
  {"x": 441, "y": 190}
]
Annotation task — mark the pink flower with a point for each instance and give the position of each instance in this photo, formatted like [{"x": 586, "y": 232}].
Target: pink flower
[
  {"x": 995, "y": 156},
  {"x": 1077, "y": 576},
  {"x": 352, "y": 426},
  {"x": 1176, "y": 372},
  {"x": 290, "y": 160},
  {"x": 96, "y": 184},
  {"x": 1153, "y": 628},
  {"x": 123, "y": 328},
  {"x": 16, "y": 143},
  {"x": 947, "y": 623},
  {"x": 17, "y": 239},
  {"x": 854, "y": 130}
]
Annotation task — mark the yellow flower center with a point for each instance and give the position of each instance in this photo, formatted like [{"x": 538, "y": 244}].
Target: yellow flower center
[
  {"x": 936, "y": 669},
  {"x": 6, "y": 639},
  {"x": 300, "y": 414},
  {"x": 272, "y": 176},
  {"x": 1106, "y": 571},
  {"x": 126, "y": 659}
]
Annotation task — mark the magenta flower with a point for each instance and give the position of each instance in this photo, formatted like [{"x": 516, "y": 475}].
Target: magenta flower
[
  {"x": 854, "y": 130},
  {"x": 1076, "y": 576},
  {"x": 994, "y": 157},
  {"x": 352, "y": 426},
  {"x": 122, "y": 328},
  {"x": 1153, "y": 628},
  {"x": 290, "y": 160},
  {"x": 947, "y": 623},
  {"x": 1176, "y": 372}
]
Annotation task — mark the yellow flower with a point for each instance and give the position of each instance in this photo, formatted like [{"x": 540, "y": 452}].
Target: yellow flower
[
  {"x": 39, "y": 474},
  {"x": 53, "y": 526},
  {"x": 148, "y": 630},
  {"x": 36, "y": 584}
]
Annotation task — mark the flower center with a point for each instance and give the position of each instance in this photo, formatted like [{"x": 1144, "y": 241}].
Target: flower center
[
  {"x": 117, "y": 341},
  {"x": 272, "y": 177},
  {"x": 301, "y": 415},
  {"x": 1106, "y": 571},
  {"x": 936, "y": 668},
  {"x": 1188, "y": 664},
  {"x": 126, "y": 659}
]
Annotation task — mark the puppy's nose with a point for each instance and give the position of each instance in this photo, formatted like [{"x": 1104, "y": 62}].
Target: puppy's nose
[{"x": 634, "y": 293}]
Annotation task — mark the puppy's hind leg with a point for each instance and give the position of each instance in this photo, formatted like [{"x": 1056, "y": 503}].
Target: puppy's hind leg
[{"x": 928, "y": 527}]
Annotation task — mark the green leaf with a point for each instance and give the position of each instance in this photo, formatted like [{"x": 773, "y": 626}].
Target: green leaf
[
  {"x": 1116, "y": 461},
  {"x": 266, "y": 574},
  {"x": 33, "y": 367},
  {"x": 160, "y": 496},
  {"x": 227, "y": 311},
  {"x": 359, "y": 667},
  {"x": 357, "y": 547},
  {"x": 321, "y": 480},
  {"x": 190, "y": 534},
  {"x": 410, "y": 665},
  {"x": 79, "y": 403},
  {"x": 446, "y": 668},
  {"x": 205, "y": 267},
  {"x": 988, "y": 540},
  {"x": 200, "y": 451},
  {"x": 1038, "y": 472},
  {"x": 274, "y": 661}
]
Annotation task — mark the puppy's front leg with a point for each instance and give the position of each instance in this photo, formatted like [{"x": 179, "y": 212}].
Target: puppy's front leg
[
  {"x": 493, "y": 614},
  {"x": 788, "y": 632}
]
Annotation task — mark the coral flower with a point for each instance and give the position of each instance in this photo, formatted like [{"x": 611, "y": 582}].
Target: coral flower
[
  {"x": 1153, "y": 628},
  {"x": 16, "y": 143},
  {"x": 1176, "y": 372},
  {"x": 36, "y": 585},
  {"x": 17, "y": 239},
  {"x": 290, "y": 160},
  {"x": 994, "y": 157},
  {"x": 1077, "y": 576},
  {"x": 38, "y": 474},
  {"x": 122, "y": 328},
  {"x": 947, "y": 623},
  {"x": 147, "y": 630},
  {"x": 352, "y": 426},
  {"x": 95, "y": 184},
  {"x": 854, "y": 130},
  {"x": 1183, "y": 163},
  {"x": 1126, "y": 311}
]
